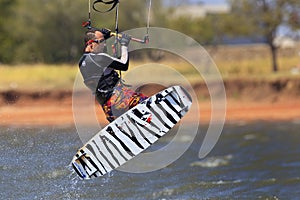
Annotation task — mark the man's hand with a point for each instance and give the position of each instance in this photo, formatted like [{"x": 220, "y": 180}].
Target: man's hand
[
  {"x": 125, "y": 39},
  {"x": 88, "y": 48}
]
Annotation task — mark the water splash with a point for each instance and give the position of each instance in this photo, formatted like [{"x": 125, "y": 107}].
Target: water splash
[{"x": 212, "y": 162}]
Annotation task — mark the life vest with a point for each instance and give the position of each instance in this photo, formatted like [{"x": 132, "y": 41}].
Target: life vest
[{"x": 97, "y": 74}]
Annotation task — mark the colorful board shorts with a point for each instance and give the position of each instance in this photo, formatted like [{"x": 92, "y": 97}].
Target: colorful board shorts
[{"x": 122, "y": 99}]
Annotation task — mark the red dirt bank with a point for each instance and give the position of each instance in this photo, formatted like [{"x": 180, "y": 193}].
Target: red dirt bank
[{"x": 246, "y": 101}]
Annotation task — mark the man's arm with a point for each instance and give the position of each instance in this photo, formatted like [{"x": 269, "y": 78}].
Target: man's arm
[
  {"x": 105, "y": 60},
  {"x": 123, "y": 62}
]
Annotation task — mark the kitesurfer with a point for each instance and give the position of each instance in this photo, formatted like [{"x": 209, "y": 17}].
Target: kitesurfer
[{"x": 99, "y": 71}]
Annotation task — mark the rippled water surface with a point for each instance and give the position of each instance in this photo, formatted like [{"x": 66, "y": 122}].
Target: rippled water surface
[{"x": 250, "y": 161}]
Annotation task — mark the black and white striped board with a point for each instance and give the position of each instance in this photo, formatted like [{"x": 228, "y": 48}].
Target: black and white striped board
[{"x": 132, "y": 133}]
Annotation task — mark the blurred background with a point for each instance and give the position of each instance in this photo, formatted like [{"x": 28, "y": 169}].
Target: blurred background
[
  {"x": 254, "y": 43},
  {"x": 50, "y": 32}
]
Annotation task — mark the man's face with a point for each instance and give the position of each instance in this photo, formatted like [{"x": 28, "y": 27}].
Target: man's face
[{"x": 97, "y": 47}]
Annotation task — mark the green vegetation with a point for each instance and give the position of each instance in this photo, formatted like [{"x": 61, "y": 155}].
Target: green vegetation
[{"x": 34, "y": 31}]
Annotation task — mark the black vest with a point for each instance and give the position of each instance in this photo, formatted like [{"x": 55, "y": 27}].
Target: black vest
[{"x": 98, "y": 76}]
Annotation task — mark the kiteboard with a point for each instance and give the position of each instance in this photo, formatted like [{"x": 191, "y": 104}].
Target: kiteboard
[{"x": 132, "y": 133}]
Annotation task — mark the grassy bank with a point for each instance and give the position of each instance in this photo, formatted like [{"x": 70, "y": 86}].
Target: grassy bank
[
  {"x": 248, "y": 62},
  {"x": 253, "y": 60},
  {"x": 38, "y": 76}
]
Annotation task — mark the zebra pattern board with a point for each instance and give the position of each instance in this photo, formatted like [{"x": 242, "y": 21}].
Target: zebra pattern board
[{"x": 132, "y": 133}]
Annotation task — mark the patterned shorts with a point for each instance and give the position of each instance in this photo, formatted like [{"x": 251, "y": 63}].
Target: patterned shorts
[{"x": 122, "y": 99}]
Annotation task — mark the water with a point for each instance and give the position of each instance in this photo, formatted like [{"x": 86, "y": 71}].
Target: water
[{"x": 250, "y": 161}]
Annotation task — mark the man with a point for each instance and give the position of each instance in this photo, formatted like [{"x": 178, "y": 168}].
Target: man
[{"x": 99, "y": 73}]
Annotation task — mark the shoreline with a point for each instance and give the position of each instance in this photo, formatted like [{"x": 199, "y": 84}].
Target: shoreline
[
  {"x": 246, "y": 101},
  {"x": 42, "y": 112}
]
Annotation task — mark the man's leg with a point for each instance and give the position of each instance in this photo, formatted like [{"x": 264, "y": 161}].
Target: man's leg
[{"x": 121, "y": 101}]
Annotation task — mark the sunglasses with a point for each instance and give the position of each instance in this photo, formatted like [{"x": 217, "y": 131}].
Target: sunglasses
[{"x": 96, "y": 41}]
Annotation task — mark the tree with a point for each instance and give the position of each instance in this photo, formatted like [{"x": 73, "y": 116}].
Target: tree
[
  {"x": 200, "y": 29},
  {"x": 6, "y": 40},
  {"x": 48, "y": 31},
  {"x": 264, "y": 17}
]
